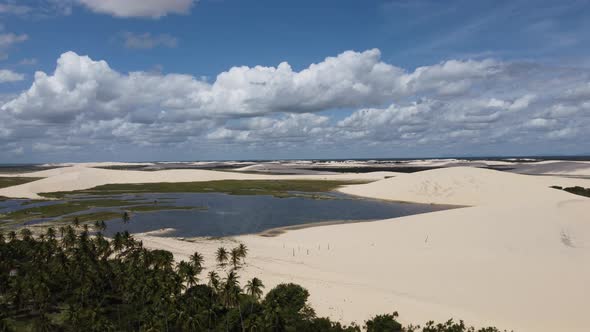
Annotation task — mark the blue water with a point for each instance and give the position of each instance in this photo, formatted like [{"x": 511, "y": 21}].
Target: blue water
[
  {"x": 228, "y": 215},
  {"x": 217, "y": 214}
]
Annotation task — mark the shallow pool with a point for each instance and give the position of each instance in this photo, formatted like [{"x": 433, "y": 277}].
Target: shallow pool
[
  {"x": 217, "y": 214},
  {"x": 233, "y": 215}
]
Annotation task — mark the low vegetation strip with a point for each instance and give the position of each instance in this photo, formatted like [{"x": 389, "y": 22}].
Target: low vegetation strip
[
  {"x": 279, "y": 188},
  {"x": 9, "y": 181},
  {"x": 577, "y": 190},
  {"x": 75, "y": 206},
  {"x": 68, "y": 280}
]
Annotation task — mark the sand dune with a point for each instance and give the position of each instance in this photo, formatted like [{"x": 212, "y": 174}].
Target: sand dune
[
  {"x": 79, "y": 177},
  {"x": 517, "y": 259},
  {"x": 465, "y": 186}
]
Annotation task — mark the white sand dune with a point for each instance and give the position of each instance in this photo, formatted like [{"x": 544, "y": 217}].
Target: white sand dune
[
  {"x": 517, "y": 258},
  {"x": 556, "y": 167},
  {"x": 465, "y": 186},
  {"x": 79, "y": 177}
]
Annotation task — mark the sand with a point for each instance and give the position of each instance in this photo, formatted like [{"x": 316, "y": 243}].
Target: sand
[
  {"x": 517, "y": 257},
  {"x": 83, "y": 176}
]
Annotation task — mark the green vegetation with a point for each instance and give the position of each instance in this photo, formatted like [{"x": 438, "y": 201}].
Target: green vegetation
[
  {"x": 76, "y": 206},
  {"x": 91, "y": 217},
  {"x": 7, "y": 181},
  {"x": 66, "y": 280},
  {"x": 60, "y": 209},
  {"x": 577, "y": 190},
  {"x": 151, "y": 208},
  {"x": 278, "y": 188}
]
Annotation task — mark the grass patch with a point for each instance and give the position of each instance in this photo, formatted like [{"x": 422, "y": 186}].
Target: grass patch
[
  {"x": 151, "y": 208},
  {"x": 278, "y": 188},
  {"x": 577, "y": 190},
  {"x": 60, "y": 209},
  {"x": 91, "y": 217},
  {"x": 7, "y": 181}
]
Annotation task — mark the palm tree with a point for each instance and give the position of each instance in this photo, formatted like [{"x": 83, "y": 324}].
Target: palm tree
[
  {"x": 126, "y": 217},
  {"x": 12, "y": 236},
  {"x": 51, "y": 233},
  {"x": 76, "y": 222},
  {"x": 118, "y": 242},
  {"x": 197, "y": 260},
  {"x": 26, "y": 234},
  {"x": 69, "y": 239},
  {"x": 243, "y": 251},
  {"x": 231, "y": 288},
  {"x": 231, "y": 293},
  {"x": 100, "y": 225},
  {"x": 214, "y": 280},
  {"x": 221, "y": 256},
  {"x": 188, "y": 273},
  {"x": 235, "y": 257},
  {"x": 62, "y": 230},
  {"x": 254, "y": 288}
]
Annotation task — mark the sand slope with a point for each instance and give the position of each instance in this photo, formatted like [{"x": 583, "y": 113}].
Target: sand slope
[
  {"x": 465, "y": 186},
  {"x": 518, "y": 259}
]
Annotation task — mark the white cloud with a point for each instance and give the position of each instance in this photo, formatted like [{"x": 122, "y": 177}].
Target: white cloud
[
  {"x": 147, "y": 40},
  {"x": 352, "y": 99},
  {"x": 139, "y": 8},
  {"x": 10, "y": 76}
]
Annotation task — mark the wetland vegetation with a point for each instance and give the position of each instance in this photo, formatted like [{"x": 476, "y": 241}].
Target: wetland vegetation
[
  {"x": 9, "y": 181},
  {"x": 277, "y": 188}
]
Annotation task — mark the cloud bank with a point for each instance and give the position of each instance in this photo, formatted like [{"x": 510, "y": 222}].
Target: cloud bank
[{"x": 353, "y": 100}]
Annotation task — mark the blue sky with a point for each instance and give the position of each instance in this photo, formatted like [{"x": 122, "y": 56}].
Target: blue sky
[{"x": 406, "y": 78}]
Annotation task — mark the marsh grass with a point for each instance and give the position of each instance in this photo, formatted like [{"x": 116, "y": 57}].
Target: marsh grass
[
  {"x": 74, "y": 206},
  {"x": 8, "y": 181},
  {"x": 277, "y": 188}
]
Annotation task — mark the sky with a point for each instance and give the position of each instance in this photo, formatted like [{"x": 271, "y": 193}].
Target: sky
[{"x": 181, "y": 80}]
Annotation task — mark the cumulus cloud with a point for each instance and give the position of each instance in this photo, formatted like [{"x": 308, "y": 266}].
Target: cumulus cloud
[
  {"x": 147, "y": 40},
  {"x": 352, "y": 99},
  {"x": 10, "y": 76},
  {"x": 139, "y": 8},
  {"x": 351, "y": 79}
]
